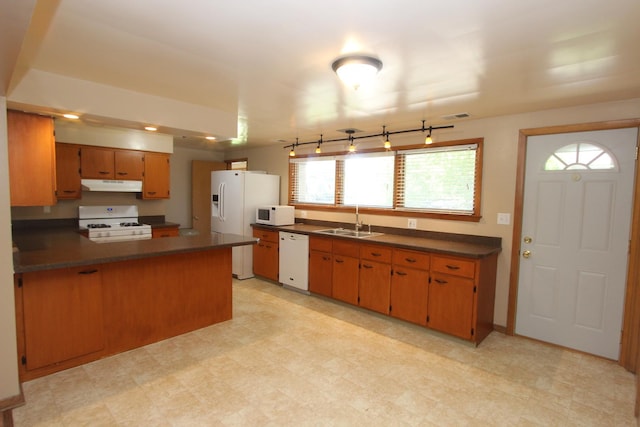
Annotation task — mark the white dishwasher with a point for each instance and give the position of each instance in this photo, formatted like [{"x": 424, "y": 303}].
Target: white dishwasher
[{"x": 294, "y": 261}]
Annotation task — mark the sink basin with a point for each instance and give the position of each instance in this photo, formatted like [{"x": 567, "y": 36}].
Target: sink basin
[{"x": 348, "y": 233}]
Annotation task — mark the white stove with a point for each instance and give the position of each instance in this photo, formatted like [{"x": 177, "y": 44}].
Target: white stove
[{"x": 112, "y": 223}]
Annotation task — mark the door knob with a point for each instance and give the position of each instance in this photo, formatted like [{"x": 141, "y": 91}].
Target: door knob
[
  {"x": 526, "y": 254},
  {"x": 527, "y": 239}
]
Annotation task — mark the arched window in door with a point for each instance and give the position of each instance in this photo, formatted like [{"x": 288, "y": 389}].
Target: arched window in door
[{"x": 580, "y": 156}]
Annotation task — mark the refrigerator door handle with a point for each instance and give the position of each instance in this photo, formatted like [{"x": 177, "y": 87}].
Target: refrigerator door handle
[{"x": 221, "y": 202}]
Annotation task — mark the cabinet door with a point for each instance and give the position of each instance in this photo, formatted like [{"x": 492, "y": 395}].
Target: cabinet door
[
  {"x": 375, "y": 285},
  {"x": 320, "y": 273},
  {"x": 156, "y": 176},
  {"x": 62, "y": 315},
  {"x": 97, "y": 163},
  {"x": 345, "y": 278},
  {"x": 32, "y": 159},
  {"x": 409, "y": 293},
  {"x": 450, "y": 305},
  {"x": 265, "y": 260},
  {"x": 129, "y": 165},
  {"x": 68, "y": 171}
]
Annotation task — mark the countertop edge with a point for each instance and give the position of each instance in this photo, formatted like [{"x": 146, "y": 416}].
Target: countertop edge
[{"x": 434, "y": 245}]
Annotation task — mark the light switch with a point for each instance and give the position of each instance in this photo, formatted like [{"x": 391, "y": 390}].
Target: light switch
[
  {"x": 504, "y": 218},
  {"x": 412, "y": 223}
]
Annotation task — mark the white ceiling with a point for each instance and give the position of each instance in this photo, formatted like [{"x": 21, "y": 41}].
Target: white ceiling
[{"x": 270, "y": 61}]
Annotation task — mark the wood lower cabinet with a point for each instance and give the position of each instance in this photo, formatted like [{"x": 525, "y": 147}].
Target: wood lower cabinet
[
  {"x": 410, "y": 286},
  {"x": 62, "y": 315},
  {"x": 374, "y": 283},
  {"x": 68, "y": 171},
  {"x": 156, "y": 183},
  {"x": 32, "y": 159},
  {"x": 265, "y": 254},
  {"x": 320, "y": 266},
  {"x": 70, "y": 316},
  {"x": 165, "y": 232},
  {"x": 346, "y": 271},
  {"x": 461, "y": 296},
  {"x": 451, "y": 294}
]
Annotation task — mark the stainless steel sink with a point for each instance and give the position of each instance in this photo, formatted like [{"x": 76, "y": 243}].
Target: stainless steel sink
[{"x": 349, "y": 233}]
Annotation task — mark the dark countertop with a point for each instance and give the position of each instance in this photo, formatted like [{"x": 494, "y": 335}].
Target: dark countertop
[
  {"x": 434, "y": 242},
  {"x": 50, "y": 248}
]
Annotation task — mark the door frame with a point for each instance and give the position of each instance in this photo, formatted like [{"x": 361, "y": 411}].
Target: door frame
[{"x": 630, "y": 342}]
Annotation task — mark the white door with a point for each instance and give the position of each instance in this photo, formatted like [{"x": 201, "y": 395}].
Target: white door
[{"x": 575, "y": 238}]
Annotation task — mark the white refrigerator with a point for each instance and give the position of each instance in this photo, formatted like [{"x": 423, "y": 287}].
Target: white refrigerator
[{"x": 234, "y": 199}]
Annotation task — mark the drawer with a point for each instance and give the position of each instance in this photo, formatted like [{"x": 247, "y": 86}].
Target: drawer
[
  {"x": 454, "y": 266},
  {"x": 266, "y": 235},
  {"x": 375, "y": 253},
  {"x": 322, "y": 244},
  {"x": 346, "y": 248},
  {"x": 412, "y": 259}
]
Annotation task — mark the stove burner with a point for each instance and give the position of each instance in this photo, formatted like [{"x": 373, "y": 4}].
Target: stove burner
[
  {"x": 98, "y": 226},
  {"x": 130, "y": 224}
]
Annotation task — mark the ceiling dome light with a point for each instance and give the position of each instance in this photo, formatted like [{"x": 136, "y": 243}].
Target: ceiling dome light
[
  {"x": 150, "y": 128},
  {"x": 71, "y": 116},
  {"x": 356, "y": 70},
  {"x": 210, "y": 138}
]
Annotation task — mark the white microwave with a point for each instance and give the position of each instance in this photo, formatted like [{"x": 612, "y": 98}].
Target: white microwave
[{"x": 275, "y": 215}]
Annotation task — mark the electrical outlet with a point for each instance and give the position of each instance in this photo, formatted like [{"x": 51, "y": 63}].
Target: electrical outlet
[
  {"x": 412, "y": 223},
  {"x": 504, "y": 218}
]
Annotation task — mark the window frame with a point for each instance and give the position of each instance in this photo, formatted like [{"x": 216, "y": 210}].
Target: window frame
[{"x": 474, "y": 216}]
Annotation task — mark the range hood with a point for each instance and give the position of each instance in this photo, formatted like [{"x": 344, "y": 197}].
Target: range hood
[{"x": 115, "y": 186}]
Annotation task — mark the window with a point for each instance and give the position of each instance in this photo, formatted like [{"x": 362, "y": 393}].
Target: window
[
  {"x": 441, "y": 181},
  {"x": 579, "y": 156}
]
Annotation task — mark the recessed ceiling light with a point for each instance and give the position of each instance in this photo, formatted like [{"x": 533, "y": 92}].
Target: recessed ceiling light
[
  {"x": 71, "y": 116},
  {"x": 211, "y": 138},
  {"x": 151, "y": 128}
]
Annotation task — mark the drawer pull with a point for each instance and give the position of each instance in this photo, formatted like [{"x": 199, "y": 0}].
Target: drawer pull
[
  {"x": 151, "y": 192},
  {"x": 88, "y": 271},
  {"x": 401, "y": 273},
  {"x": 326, "y": 258},
  {"x": 339, "y": 261},
  {"x": 69, "y": 191},
  {"x": 453, "y": 267},
  {"x": 410, "y": 259},
  {"x": 440, "y": 281},
  {"x": 366, "y": 266},
  {"x": 103, "y": 172},
  {"x": 376, "y": 254}
]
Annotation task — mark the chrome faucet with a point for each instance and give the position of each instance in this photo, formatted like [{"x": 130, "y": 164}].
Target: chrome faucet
[{"x": 358, "y": 222}]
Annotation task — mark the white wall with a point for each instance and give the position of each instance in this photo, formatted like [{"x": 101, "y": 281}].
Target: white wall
[
  {"x": 9, "y": 385},
  {"x": 179, "y": 206},
  {"x": 499, "y": 171}
]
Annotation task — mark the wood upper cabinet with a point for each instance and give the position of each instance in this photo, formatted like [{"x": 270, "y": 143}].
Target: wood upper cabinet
[
  {"x": 320, "y": 266},
  {"x": 265, "y": 254},
  {"x": 346, "y": 272},
  {"x": 375, "y": 278},
  {"x": 68, "y": 171},
  {"x": 109, "y": 163},
  {"x": 156, "y": 183},
  {"x": 62, "y": 312},
  {"x": 32, "y": 161},
  {"x": 410, "y": 285},
  {"x": 129, "y": 164},
  {"x": 97, "y": 163}
]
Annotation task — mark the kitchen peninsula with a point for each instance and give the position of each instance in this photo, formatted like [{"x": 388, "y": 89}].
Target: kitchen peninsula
[{"x": 78, "y": 301}]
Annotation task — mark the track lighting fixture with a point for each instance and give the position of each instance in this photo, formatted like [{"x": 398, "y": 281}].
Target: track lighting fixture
[
  {"x": 428, "y": 140},
  {"x": 387, "y": 143},
  {"x": 352, "y": 147},
  {"x": 356, "y": 70}
]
